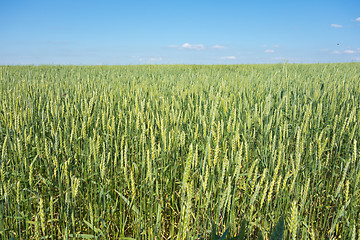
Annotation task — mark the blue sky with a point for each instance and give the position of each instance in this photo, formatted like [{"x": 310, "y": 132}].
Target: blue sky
[{"x": 178, "y": 32}]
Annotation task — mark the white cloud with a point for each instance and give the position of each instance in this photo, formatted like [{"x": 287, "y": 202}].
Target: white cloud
[
  {"x": 196, "y": 46},
  {"x": 155, "y": 59},
  {"x": 140, "y": 59},
  {"x": 189, "y": 46},
  {"x": 358, "y": 19},
  {"x": 218, "y": 46},
  {"x": 192, "y": 46},
  {"x": 269, "y": 51},
  {"x": 144, "y": 59},
  {"x": 229, "y": 57},
  {"x": 345, "y": 51},
  {"x": 336, "y": 25},
  {"x": 274, "y": 46}
]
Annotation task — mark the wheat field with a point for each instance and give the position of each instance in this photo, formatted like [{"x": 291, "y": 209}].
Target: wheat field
[{"x": 162, "y": 151}]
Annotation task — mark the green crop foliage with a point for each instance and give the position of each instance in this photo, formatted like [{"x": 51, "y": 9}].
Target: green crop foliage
[{"x": 164, "y": 151}]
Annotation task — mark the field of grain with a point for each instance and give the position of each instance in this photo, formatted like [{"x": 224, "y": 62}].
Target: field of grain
[{"x": 162, "y": 151}]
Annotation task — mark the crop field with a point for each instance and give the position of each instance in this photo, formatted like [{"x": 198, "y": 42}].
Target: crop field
[{"x": 168, "y": 151}]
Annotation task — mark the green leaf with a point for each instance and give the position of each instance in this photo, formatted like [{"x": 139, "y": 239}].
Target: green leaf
[
  {"x": 84, "y": 236},
  {"x": 278, "y": 231},
  {"x": 236, "y": 238},
  {"x": 213, "y": 235},
  {"x": 242, "y": 229},
  {"x": 133, "y": 207},
  {"x": 46, "y": 237},
  {"x": 30, "y": 222},
  {"x": 225, "y": 234},
  {"x": 95, "y": 229}
]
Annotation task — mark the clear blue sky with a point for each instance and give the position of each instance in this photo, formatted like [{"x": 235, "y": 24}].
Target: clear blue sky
[{"x": 178, "y": 32}]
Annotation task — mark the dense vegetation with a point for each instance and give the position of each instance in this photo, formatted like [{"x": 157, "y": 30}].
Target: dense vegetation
[{"x": 152, "y": 152}]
